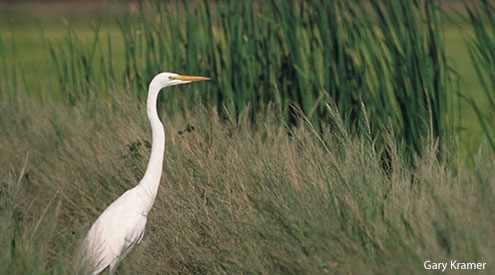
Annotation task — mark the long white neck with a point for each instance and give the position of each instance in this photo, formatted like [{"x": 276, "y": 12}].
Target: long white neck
[{"x": 151, "y": 178}]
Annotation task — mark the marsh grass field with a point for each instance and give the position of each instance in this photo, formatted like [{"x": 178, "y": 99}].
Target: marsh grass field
[
  {"x": 235, "y": 199},
  {"x": 280, "y": 182}
]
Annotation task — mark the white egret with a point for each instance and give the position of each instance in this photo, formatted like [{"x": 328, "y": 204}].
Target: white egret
[{"x": 121, "y": 226}]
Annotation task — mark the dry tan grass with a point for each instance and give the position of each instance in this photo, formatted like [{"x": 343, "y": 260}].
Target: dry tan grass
[{"x": 234, "y": 198}]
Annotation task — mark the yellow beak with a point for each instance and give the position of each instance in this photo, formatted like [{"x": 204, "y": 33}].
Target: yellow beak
[{"x": 190, "y": 78}]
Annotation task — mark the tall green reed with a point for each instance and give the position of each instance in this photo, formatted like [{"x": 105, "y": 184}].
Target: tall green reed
[
  {"x": 387, "y": 57},
  {"x": 11, "y": 72},
  {"x": 482, "y": 51},
  {"x": 82, "y": 68}
]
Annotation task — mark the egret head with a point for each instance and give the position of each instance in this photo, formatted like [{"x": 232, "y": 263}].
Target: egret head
[{"x": 172, "y": 79}]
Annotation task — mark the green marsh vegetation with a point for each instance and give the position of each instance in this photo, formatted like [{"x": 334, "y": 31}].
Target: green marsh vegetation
[{"x": 327, "y": 142}]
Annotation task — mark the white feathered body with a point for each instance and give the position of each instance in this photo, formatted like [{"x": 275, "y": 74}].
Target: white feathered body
[{"x": 117, "y": 230}]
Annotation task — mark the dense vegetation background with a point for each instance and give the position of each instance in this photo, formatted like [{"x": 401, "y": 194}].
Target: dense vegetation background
[{"x": 336, "y": 136}]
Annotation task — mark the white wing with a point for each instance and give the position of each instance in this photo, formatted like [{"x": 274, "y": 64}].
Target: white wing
[{"x": 118, "y": 229}]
